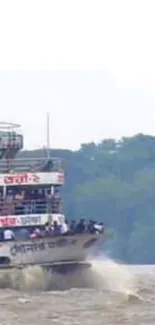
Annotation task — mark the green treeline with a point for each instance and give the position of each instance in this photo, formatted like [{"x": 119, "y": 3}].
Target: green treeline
[{"x": 114, "y": 181}]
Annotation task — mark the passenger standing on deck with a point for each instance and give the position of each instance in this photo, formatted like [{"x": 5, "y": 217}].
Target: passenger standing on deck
[
  {"x": 48, "y": 229},
  {"x": 56, "y": 228},
  {"x": 64, "y": 229},
  {"x": 8, "y": 207},
  {"x": 73, "y": 226},
  {"x": 56, "y": 202},
  {"x": 8, "y": 234},
  {"x": 81, "y": 227},
  {"x": 99, "y": 227},
  {"x": 36, "y": 234},
  {"x": 19, "y": 207}
]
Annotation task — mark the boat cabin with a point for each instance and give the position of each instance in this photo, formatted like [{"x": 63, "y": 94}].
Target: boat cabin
[{"x": 29, "y": 186}]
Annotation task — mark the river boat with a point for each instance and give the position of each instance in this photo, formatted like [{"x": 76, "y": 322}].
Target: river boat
[{"x": 22, "y": 207}]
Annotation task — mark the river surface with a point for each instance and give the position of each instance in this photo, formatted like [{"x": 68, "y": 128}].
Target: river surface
[{"x": 108, "y": 293}]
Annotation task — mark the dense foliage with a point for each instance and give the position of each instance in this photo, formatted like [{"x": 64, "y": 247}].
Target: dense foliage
[{"x": 114, "y": 181}]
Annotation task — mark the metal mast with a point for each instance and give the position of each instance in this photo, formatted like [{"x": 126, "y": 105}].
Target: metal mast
[{"x": 48, "y": 135}]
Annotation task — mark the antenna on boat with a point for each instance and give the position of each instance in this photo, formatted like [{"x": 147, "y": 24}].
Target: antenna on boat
[{"x": 48, "y": 135}]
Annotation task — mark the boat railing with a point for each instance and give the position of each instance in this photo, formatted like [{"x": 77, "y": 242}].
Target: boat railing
[
  {"x": 20, "y": 165},
  {"x": 32, "y": 206}
]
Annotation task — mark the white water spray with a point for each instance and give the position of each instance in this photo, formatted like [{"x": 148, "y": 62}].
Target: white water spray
[{"x": 113, "y": 276}]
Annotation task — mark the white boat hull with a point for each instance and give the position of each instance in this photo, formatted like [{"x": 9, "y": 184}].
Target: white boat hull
[{"x": 47, "y": 251}]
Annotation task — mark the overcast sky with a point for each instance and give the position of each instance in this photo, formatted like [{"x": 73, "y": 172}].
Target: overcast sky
[{"x": 105, "y": 54}]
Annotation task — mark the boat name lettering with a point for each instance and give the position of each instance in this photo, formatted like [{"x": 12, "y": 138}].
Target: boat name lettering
[
  {"x": 20, "y": 179},
  {"x": 35, "y": 247},
  {"x": 24, "y": 248}
]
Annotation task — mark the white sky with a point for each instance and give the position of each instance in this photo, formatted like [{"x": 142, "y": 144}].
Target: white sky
[{"x": 90, "y": 63}]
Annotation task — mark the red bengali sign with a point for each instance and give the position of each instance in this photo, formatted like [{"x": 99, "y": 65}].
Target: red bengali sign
[
  {"x": 18, "y": 179},
  {"x": 8, "y": 221},
  {"x": 23, "y": 220},
  {"x": 32, "y": 178},
  {"x": 28, "y": 220}
]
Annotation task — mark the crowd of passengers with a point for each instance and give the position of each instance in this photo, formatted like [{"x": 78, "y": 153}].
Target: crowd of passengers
[
  {"x": 29, "y": 201},
  {"x": 50, "y": 230}
]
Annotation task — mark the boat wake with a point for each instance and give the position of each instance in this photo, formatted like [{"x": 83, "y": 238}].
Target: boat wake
[
  {"x": 115, "y": 277},
  {"x": 37, "y": 278},
  {"x": 29, "y": 278},
  {"x": 104, "y": 275}
]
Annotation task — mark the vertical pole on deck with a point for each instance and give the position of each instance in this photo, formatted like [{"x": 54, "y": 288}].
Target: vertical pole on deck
[
  {"x": 48, "y": 135},
  {"x": 48, "y": 154}
]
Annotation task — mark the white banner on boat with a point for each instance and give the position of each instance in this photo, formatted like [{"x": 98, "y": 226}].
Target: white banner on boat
[
  {"x": 32, "y": 179},
  {"x": 29, "y": 220}
]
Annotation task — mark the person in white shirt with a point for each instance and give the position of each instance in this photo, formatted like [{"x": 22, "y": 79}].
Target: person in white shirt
[
  {"x": 98, "y": 227},
  {"x": 8, "y": 234},
  {"x": 64, "y": 228}
]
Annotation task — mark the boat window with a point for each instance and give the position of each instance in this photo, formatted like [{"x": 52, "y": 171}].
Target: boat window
[{"x": 4, "y": 260}]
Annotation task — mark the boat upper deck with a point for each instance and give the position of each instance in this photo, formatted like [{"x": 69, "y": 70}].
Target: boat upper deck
[
  {"x": 21, "y": 165},
  {"x": 12, "y": 161}
]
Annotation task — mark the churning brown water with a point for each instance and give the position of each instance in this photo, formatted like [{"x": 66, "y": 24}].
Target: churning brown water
[{"x": 108, "y": 293}]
